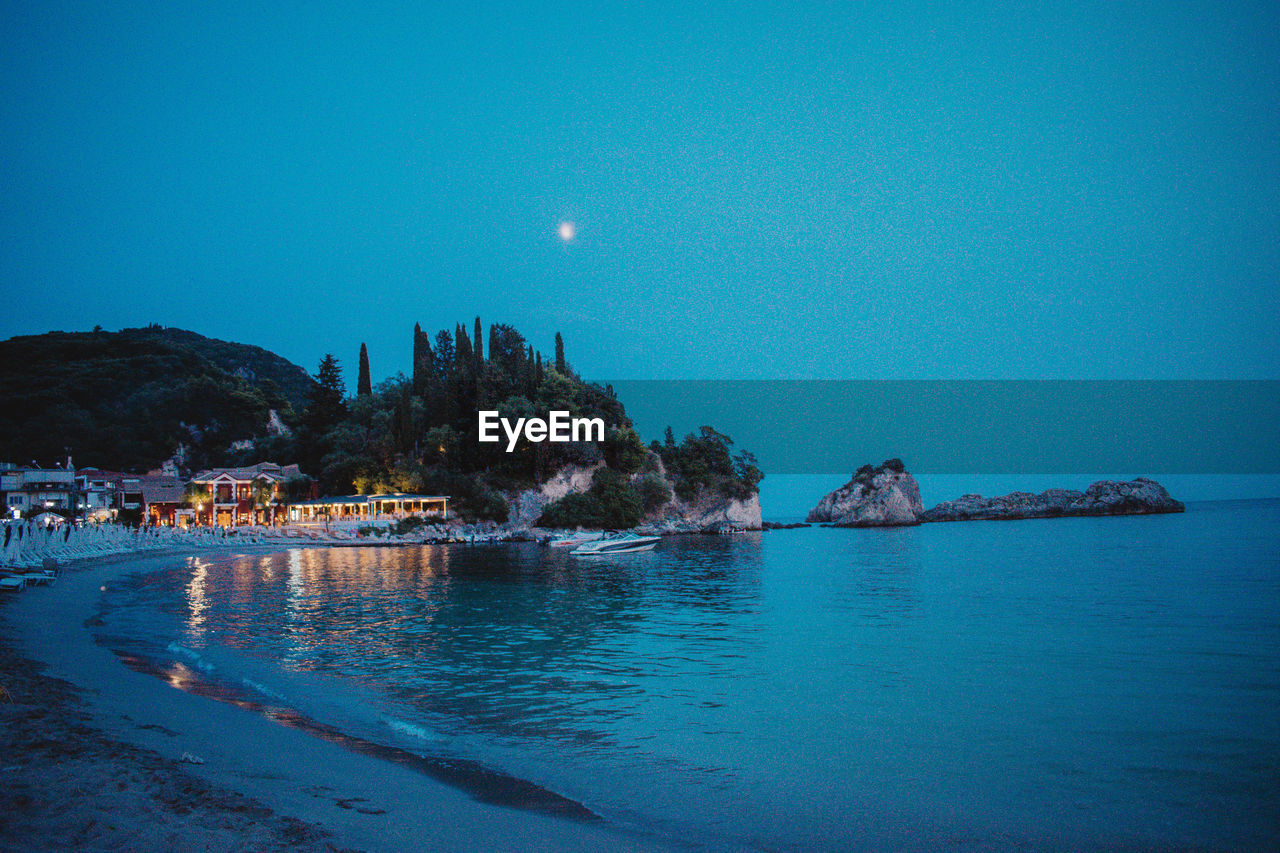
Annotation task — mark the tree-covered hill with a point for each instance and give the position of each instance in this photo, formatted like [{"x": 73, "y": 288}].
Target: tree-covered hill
[
  {"x": 126, "y": 400},
  {"x": 418, "y": 432}
]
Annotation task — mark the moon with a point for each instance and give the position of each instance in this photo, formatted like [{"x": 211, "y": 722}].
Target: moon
[{"x": 567, "y": 230}]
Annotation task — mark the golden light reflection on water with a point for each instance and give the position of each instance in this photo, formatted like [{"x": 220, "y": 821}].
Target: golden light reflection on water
[
  {"x": 308, "y": 587},
  {"x": 197, "y": 599}
]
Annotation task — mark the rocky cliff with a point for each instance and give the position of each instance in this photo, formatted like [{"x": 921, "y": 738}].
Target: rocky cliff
[
  {"x": 707, "y": 513},
  {"x": 1106, "y": 497},
  {"x": 886, "y": 496},
  {"x": 527, "y": 505}
]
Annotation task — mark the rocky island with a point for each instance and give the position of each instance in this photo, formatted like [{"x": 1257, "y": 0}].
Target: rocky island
[
  {"x": 888, "y": 496},
  {"x": 1105, "y": 497}
]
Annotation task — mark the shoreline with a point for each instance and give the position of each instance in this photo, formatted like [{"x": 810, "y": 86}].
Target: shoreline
[{"x": 261, "y": 784}]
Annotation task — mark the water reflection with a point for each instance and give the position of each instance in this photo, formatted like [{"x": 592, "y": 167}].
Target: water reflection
[
  {"x": 197, "y": 599},
  {"x": 516, "y": 640}
]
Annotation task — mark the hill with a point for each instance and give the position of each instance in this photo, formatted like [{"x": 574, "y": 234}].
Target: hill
[
  {"x": 126, "y": 400},
  {"x": 419, "y": 433}
]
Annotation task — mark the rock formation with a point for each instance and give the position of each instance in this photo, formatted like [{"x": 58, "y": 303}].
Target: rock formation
[
  {"x": 706, "y": 514},
  {"x": 886, "y": 496},
  {"x": 527, "y": 505},
  {"x": 1106, "y": 497}
]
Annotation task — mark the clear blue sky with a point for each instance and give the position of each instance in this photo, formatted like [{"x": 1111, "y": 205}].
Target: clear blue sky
[{"x": 821, "y": 190}]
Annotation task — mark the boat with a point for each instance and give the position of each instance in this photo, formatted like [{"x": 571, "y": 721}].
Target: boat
[
  {"x": 573, "y": 540},
  {"x": 615, "y": 543}
]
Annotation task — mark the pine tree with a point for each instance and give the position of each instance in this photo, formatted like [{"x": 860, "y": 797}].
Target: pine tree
[
  {"x": 326, "y": 406},
  {"x": 560, "y": 368},
  {"x": 364, "y": 388}
]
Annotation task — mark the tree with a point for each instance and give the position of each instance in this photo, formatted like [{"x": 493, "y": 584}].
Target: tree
[
  {"x": 363, "y": 386},
  {"x": 326, "y": 407},
  {"x": 444, "y": 353},
  {"x": 423, "y": 360},
  {"x": 560, "y": 367},
  {"x": 478, "y": 345},
  {"x": 463, "y": 359}
]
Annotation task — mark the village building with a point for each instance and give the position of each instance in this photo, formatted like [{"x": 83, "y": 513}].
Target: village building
[
  {"x": 28, "y": 491},
  {"x": 255, "y": 494},
  {"x": 370, "y": 508},
  {"x": 101, "y": 493},
  {"x": 163, "y": 501}
]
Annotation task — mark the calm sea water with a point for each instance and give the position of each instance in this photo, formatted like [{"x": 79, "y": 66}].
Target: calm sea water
[{"x": 1064, "y": 684}]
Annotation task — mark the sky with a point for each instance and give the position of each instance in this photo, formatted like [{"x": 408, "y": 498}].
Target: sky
[{"x": 845, "y": 190}]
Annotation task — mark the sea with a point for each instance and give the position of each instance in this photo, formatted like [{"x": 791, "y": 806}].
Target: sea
[{"x": 1064, "y": 684}]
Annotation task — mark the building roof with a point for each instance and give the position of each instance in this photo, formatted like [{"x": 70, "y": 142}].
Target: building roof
[
  {"x": 361, "y": 499},
  {"x": 160, "y": 489},
  {"x": 263, "y": 470}
]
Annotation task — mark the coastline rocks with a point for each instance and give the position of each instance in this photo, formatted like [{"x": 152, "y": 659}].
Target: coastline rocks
[
  {"x": 1106, "y": 497},
  {"x": 708, "y": 513},
  {"x": 886, "y": 496}
]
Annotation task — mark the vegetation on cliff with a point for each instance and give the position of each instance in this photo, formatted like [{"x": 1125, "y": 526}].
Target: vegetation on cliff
[
  {"x": 419, "y": 433},
  {"x": 126, "y": 400}
]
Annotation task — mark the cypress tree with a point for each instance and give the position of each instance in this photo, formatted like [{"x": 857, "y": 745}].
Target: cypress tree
[
  {"x": 423, "y": 360},
  {"x": 363, "y": 386},
  {"x": 530, "y": 373},
  {"x": 464, "y": 357},
  {"x": 463, "y": 360},
  {"x": 538, "y": 375},
  {"x": 560, "y": 368},
  {"x": 479, "y": 348},
  {"x": 444, "y": 354}
]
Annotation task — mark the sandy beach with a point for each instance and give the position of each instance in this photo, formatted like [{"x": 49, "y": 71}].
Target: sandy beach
[{"x": 98, "y": 756}]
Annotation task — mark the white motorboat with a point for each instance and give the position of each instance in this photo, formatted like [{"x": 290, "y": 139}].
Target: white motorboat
[
  {"x": 615, "y": 543},
  {"x": 573, "y": 540}
]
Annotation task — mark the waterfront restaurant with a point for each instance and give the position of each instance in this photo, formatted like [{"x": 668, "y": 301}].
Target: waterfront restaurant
[{"x": 370, "y": 508}]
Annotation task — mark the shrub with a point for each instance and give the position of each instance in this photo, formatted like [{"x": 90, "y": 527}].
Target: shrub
[
  {"x": 611, "y": 502},
  {"x": 408, "y": 524},
  {"x": 654, "y": 492}
]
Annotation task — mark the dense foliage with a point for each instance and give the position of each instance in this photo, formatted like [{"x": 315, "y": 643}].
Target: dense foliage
[
  {"x": 419, "y": 434},
  {"x": 703, "y": 461},
  {"x": 611, "y": 502},
  {"x": 126, "y": 400}
]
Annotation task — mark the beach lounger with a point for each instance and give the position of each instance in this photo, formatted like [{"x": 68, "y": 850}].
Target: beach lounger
[{"x": 12, "y": 584}]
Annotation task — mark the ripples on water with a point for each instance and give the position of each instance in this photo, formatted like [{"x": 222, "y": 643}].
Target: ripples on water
[{"x": 1032, "y": 684}]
